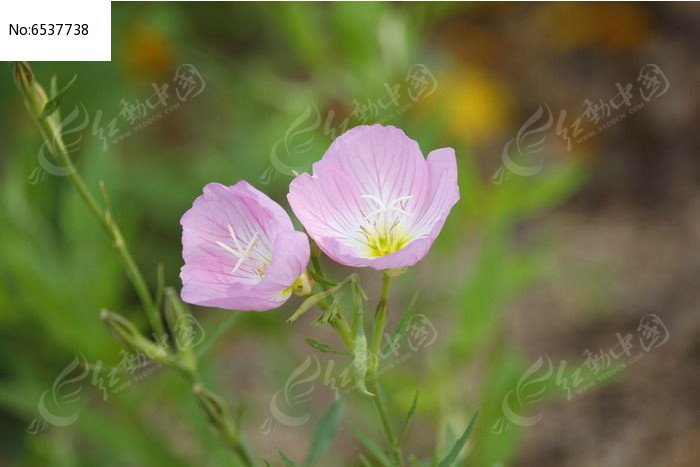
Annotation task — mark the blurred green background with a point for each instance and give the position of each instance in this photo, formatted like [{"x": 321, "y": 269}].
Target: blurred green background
[{"x": 554, "y": 263}]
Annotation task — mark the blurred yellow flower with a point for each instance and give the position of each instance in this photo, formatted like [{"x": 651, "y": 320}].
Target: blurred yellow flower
[{"x": 474, "y": 104}]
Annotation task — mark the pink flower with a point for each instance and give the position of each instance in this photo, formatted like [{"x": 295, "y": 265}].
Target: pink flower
[
  {"x": 374, "y": 200},
  {"x": 241, "y": 251}
]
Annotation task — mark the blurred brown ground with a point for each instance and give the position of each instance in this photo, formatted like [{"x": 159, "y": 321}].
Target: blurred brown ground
[{"x": 637, "y": 220}]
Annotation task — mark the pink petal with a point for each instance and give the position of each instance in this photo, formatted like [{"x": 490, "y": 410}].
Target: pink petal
[
  {"x": 291, "y": 257},
  {"x": 373, "y": 179},
  {"x": 213, "y": 275},
  {"x": 381, "y": 161},
  {"x": 444, "y": 192}
]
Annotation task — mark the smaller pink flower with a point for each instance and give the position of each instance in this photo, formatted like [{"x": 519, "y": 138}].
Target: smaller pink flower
[
  {"x": 374, "y": 200},
  {"x": 240, "y": 249}
]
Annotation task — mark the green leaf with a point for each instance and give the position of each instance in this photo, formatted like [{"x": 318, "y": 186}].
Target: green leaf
[
  {"x": 323, "y": 347},
  {"x": 329, "y": 314},
  {"x": 401, "y": 327},
  {"x": 364, "y": 460},
  {"x": 52, "y": 105},
  {"x": 322, "y": 280},
  {"x": 53, "y": 90},
  {"x": 459, "y": 444},
  {"x": 287, "y": 461},
  {"x": 49, "y": 108},
  {"x": 126, "y": 331},
  {"x": 409, "y": 417},
  {"x": 374, "y": 449},
  {"x": 325, "y": 431},
  {"x": 314, "y": 299},
  {"x": 160, "y": 285}
]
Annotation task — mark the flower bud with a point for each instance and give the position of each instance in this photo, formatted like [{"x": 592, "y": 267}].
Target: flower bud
[
  {"x": 125, "y": 331},
  {"x": 34, "y": 95},
  {"x": 304, "y": 284},
  {"x": 216, "y": 411}
]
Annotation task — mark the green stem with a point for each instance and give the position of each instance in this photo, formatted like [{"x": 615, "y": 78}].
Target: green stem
[
  {"x": 373, "y": 386},
  {"x": 380, "y": 319},
  {"x": 217, "y": 412},
  {"x": 233, "y": 440},
  {"x": 36, "y": 99},
  {"x": 341, "y": 327},
  {"x": 54, "y": 140}
]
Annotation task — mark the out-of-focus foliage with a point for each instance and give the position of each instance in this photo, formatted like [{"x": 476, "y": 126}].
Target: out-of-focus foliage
[{"x": 281, "y": 81}]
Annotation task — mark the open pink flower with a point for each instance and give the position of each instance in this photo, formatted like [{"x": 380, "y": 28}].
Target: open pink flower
[
  {"x": 374, "y": 200},
  {"x": 241, "y": 251}
]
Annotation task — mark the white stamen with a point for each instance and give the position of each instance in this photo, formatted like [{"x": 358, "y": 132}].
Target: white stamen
[
  {"x": 383, "y": 208},
  {"x": 240, "y": 253}
]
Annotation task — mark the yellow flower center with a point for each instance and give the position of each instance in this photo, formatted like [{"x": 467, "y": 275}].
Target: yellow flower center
[
  {"x": 381, "y": 240},
  {"x": 383, "y": 231}
]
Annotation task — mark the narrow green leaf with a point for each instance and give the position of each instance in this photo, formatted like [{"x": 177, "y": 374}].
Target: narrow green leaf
[
  {"x": 330, "y": 312},
  {"x": 53, "y": 86},
  {"x": 127, "y": 332},
  {"x": 287, "y": 461},
  {"x": 267, "y": 462},
  {"x": 65, "y": 89},
  {"x": 325, "y": 431},
  {"x": 313, "y": 300},
  {"x": 364, "y": 460},
  {"x": 322, "y": 280},
  {"x": 176, "y": 313},
  {"x": 52, "y": 105},
  {"x": 160, "y": 285},
  {"x": 459, "y": 444},
  {"x": 409, "y": 417},
  {"x": 401, "y": 327},
  {"x": 373, "y": 448},
  {"x": 49, "y": 108},
  {"x": 323, "y": 347},
  {"x": 53, "y": 89}
]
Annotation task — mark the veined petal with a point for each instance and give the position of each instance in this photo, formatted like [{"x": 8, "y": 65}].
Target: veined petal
[
  {"x": 380, "y": 161},
  {"x": 444, "y": 193},
  {"x": 292, "y": 254},
  {"x": 231, "y": 247},
  {"x": 327, "y": 201},
  {"x": 373, "y": 200}
]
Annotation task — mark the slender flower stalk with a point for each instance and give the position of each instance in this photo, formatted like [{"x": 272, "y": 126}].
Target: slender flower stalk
[
  {"x": 349, "y": 336},
  {"x": 373, "y": 200},
  {"x": 380, "y": 319},
  {"x": 41, "y": 107},
  {"x": 37, "y": 102}
]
